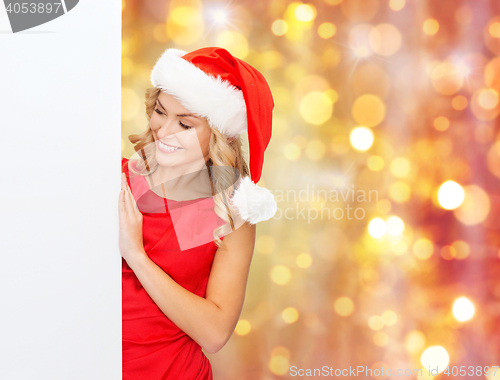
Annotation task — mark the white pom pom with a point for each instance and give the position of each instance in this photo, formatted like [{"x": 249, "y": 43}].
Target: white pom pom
[{"x": 254, "y": 203}]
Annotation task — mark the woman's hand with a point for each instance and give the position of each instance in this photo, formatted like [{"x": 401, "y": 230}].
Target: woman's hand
[{"x": 130, "y": 218}]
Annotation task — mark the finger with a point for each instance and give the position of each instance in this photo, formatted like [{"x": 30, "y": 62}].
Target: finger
[{"x": 131, "y": 197}]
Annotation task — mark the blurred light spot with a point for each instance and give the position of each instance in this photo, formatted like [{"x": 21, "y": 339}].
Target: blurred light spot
[
  {"x": 304, "y": 260},
  {"x": 327, "y": 30},
  {"x": 219, "y": 16},
  {"x": 315, "y": 149},
  {"x": 243, "y": 327},
  {"x": 414, "y": 342},
  {"x": 463, "y": 309},
  {"x": 494, "y": 159},
  {"x": 448, "y": 252},
  {"x": 380, "y": 338},
  {"x": 354, "y": 12},
  {"x": 395, "y": 226},
  {"x": 377, "y": 228},
  {"x": 361, "y": 138},
  {"x": 368, "y": 110},
  {"x": 359, "y": 40},
  {"x": 290, "y": 315},
  {"x": 265, "y": 244},
  {"x": 279, "y": 365},
  {"x": 311, "y": 320},
  {"x": 292, "y": 152},
  {"x": 375, "y": 163},
  {"x": 344, "y": 306},
  {"x": 384, "y": 206},
  {"x": 423, "y": 249},
  {"x": 130, "y": 104},
  {"x": 459, "y": 102},
  {"x": 431, "y": 26},
  {"x": 397, "y": 5},
  {"x": 279, "y": 27},
  {"x": 488, "y": 98},
  {"x": 280, "y": 274},
  {"x": 435, "y": 356},
  {"x": 400, "y": 192},
  {"x": 385, "y": 39},
  {"x": 441, "y": 123},
  {"x": 390, "y": 318},
  {"x": 475, "y": 207},
  {"x": 235, "y": 42},
  {"x": 305, "y": 12},
  {"x": 332, "y": 94},
  {"x": 450, "y": 195},
  {"x": 494, "y": 29},
  {"x": 316, "y": 107},
  {"x": 446, "y": 79},
  {"x": 185, "y": 24},
  {"x": 462, "y": 249},
  {"x": 493, "y": 372},
  {"x": 271, "y": 59},
  {"x": 127, "y": 66},
  {"x": 400, "y": 167},
  {"x": 399, "y": 248},
  {"x": 333, "y": 2},
  {"x": 376, "y": 322}
]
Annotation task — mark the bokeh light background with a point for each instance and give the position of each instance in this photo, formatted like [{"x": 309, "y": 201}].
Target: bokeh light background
[{"x": 395, "y": 102}]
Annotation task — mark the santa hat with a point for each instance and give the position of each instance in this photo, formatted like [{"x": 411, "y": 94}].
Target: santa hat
[{"x": 234, "y": 97}]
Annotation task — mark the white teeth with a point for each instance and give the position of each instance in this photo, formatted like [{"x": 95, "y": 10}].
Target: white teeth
[{"x": 166, "y": 147}]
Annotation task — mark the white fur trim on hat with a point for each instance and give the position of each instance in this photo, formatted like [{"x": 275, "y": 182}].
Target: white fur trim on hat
[
  {"x": 253, "y": 203},
  {"x": 201, "y": 93}
]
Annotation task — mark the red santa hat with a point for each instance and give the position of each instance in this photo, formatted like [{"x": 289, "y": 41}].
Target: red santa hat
[{"x": 235, "y": 98}]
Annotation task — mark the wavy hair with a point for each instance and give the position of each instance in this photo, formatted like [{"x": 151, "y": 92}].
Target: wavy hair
[{"x": 226, "y": 156}]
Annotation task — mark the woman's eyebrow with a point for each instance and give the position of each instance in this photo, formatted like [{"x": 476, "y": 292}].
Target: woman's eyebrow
[{"x": 179, "y": 115}]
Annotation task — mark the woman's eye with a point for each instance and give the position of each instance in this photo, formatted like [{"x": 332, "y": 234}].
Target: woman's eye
[
  {"x": 184, "y": 126},
  {"x": 158, "y": 111}
]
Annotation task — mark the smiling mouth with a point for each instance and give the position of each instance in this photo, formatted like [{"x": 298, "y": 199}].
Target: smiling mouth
[{"x": 168, "y": 148}]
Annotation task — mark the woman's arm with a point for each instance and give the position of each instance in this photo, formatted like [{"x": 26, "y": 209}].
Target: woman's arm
[{"x": 211, "y": 321}]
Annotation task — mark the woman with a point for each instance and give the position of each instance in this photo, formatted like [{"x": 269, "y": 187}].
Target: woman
[{"x": 188, "y": 212}]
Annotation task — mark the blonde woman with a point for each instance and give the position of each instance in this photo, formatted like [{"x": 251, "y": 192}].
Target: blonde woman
[{"x": 188, "y": 211}]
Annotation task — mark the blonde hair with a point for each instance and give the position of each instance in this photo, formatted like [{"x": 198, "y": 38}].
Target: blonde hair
[{"x": 226, "y": 156}]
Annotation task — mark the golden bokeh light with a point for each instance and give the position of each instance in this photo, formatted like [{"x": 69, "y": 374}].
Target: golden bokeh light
[
  {"x": 305, "y": 12},
  {"x": 279, "y": 27},
  {"x": 343, "y": 306},
  {"x": 450, "y": 195},
  {"x": 400, "y": 192},
  {"x": 327, "y": 30},
  {"x": 243, "y": 327},
  {"x": 463, "y": 309},
  {"x": 316, "y": 107},
  {"x": 385, "y": 39},
  {"x": 375, "y": 163},
  {"x": 280, "y": 274},
  {"x": 235, "y": 42},
  {"x": 459, "y": 102},
  {"x": 265, "y": 244},
  {"x": 435, "y": 356},
  {"x": 430, "y": 26},
  {"x": 304, "y": 260},
  {"x": 488, "y": 98},
  {"x": 395, "y": 225},
  {"x": 315, "y": 149},
  {"x": 400, "y": 167},
  {"x": 475, "y": 207},
  {"x": 377, "y": 228},
  {"x": 397, "y": 5},
  {"x": 361, "y": 138},
  {"x": 380, "y": 338},
  {"x": 376, "y": 322},
  {"x": 423, "y": 248},
  {"x": 414, "y": 342},
  {"x": 290, "y": 315},
  {"x": 185, "y": 22},
  {"x": 292, "y": 152},
  {"x": 441, "y": 123},
  {"x": 368, "y": 110},
  {"x": 390, "y": 318}
]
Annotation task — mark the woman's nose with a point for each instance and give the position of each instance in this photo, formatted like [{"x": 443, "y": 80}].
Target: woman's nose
[{"x": 166, "y": 129}]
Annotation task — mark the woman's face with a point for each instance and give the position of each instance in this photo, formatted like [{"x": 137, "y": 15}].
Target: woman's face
[{"x": 180, "y": 136}]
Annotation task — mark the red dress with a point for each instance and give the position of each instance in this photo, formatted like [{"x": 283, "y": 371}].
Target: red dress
[{"x": 153, "y": 347}]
